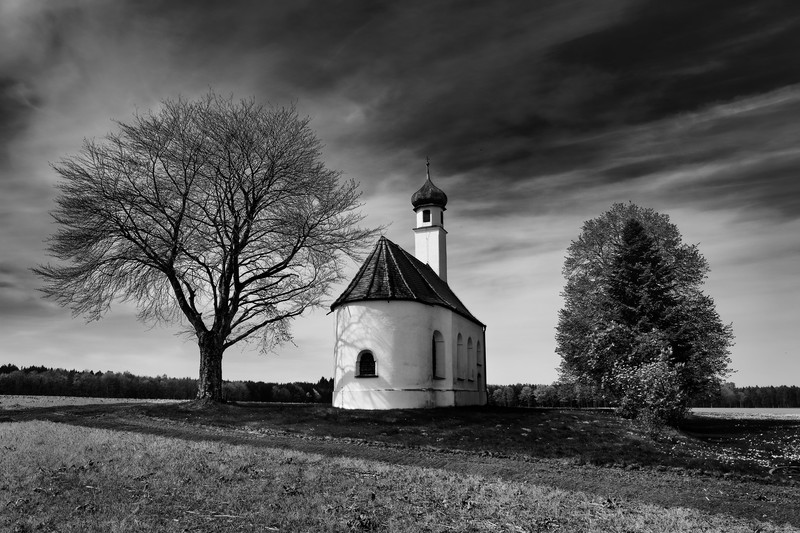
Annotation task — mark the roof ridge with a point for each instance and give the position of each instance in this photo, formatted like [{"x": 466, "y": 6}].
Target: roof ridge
[
  {"x": 394, "y": 290},
  {"x": 374, "y": 273},
  {"x": 414, "y": 262},
  {"x": 399, "y": 270},
  {"x": 446, "y": 301},
  {"x": 356, "y": 278}
]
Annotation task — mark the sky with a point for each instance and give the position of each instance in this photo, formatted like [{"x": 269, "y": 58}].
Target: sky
[{"x": 536, "y": 116}]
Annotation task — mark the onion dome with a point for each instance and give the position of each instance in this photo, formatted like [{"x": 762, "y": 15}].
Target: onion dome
[{"x": 429, "y": 194}]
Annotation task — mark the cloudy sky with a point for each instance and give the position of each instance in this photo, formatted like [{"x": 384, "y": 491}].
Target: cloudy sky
[{"x": 537, "y": 116}]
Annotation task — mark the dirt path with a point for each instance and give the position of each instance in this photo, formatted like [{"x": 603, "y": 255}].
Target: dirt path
[{"x": 776, "y": 503}]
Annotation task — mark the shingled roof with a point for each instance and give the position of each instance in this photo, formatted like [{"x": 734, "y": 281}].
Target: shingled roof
[{"x": 391, "y": 273}]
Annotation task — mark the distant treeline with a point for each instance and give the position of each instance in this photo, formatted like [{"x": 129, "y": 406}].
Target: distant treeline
[
  {"x": 42, "y": 381},
  {"x": 555, "y": 395},
  {"x": 730, "y": 395},
  {"x": 578, "y": 395}
]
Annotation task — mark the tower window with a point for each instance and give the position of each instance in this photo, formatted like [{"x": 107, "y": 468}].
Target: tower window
[
  {"x": 426, "y": 215},
  {"x": 441, "y": 218},
  {"x": 366, "y": 365}
]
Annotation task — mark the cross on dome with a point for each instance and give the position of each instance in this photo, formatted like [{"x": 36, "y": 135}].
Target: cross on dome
[{"x": 428, "y": 194}]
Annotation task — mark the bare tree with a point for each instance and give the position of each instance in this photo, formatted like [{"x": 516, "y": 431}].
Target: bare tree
[{"x": 216, "y": 214}]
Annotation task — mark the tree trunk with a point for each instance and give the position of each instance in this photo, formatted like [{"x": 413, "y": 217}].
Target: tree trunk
[{"x": 209, "y": 386}]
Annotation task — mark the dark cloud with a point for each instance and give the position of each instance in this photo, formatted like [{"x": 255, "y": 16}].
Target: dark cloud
[
  {"x": 740, "y": 157},
  {"x": 507, "y": 91},
  {"x": 517, "y": 107},
  {"x": 35, "y": 41},
  {"x": 496, "y": 93},
  {"x": 470, "y": 83},
  {"x": 429, "y": 76},
  {"x": 18, "y": 295},
  {"x": 769, "y": 185},
  {"x": 17, "y": 102},
  {"x": 473, "y": 87},
  {"x": 668, "y": 57}
]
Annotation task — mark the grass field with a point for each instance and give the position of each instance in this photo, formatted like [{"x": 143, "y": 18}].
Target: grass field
[{"x": 169, "y": 467}]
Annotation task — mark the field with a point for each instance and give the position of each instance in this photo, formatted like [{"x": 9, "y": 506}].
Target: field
[{"x": 258, "y": 467}]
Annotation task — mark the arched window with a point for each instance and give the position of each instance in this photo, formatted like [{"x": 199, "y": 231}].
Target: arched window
[
  {"x": 479, "y": 364},
  {"x": 470, "y": 360},
  {"x": 426, "y": 215},
  {"x": 366, "y": 365},
  {"x": 437, "y": 355},
  {"x": 461, "y": 362}
]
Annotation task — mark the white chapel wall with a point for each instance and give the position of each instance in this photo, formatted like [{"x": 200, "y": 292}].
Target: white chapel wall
[
  {"x": 399, "y": 335},
  {"x": 469, "y": 388}
]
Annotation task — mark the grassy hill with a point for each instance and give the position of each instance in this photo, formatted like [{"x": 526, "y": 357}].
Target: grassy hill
[{"x": 252, "y": 467}]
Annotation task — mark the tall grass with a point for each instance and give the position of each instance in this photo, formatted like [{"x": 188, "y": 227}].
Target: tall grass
[{"x": 63, "y": 478}]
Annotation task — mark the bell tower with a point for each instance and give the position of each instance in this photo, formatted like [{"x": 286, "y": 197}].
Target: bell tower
[{"x": 430, "y": 237}]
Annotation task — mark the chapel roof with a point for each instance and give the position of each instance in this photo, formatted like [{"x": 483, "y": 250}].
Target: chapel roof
[{"x": 391, "y": 273}]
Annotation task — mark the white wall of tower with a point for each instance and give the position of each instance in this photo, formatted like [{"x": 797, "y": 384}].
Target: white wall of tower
[{"x": 430, "y": 239}]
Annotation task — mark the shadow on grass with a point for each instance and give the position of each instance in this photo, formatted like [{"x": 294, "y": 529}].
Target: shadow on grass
[
  {"x": 705, "y": 445},
  {"x": 566, "y": 449},
  {"x": 749, "y": 445}
]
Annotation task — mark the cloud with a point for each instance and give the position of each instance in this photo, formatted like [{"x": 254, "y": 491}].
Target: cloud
[
  {"x": 537, "y": 116},
  {"x": 448, "y": 91},
  {"x": 510, "y": 103},
  {"x": 497, "y": 95},
  {"x": 16, "y": 103},
  {"x": 681, "y": 56},
  {"x": 19, "y": 300},
  {"x": 734, "y": 157}
]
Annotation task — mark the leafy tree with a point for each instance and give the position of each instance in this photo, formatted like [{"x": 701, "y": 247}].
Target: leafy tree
[
  {"x": 217, "y": 214},
  {"x": 526, "y": 397},
  {"x": 546, "y": 396},
  {"x": 509, "y": 396},
  {"x": 498, "y": 397},
  {"x": 7, "y": 369},
  {"x": 635, "y": 321}
]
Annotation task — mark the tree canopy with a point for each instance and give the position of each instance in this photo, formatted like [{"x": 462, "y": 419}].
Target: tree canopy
[
  {"x": 215, "y": 213},
  {"x": 635, "y": 321}
]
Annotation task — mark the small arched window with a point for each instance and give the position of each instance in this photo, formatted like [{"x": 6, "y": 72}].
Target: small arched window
[
  {"x": 470, "y": 360},
  {"x": 437, "y": 355},
  {"x": 366, "y": 365},
  {"x": 426, "y": 215},
  {"x": 461, "y": 361}
]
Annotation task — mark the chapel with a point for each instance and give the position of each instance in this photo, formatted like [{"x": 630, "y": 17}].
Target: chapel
[{"x": 403, "y": 338}]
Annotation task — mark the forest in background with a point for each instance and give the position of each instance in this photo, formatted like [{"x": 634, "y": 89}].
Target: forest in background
[
  {"x": 43, "y": 381},
  {"x": 577, "y": 395}
]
